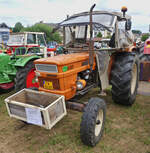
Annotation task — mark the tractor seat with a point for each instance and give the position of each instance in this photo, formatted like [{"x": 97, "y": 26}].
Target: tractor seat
[{"x": 112, "y": 41}]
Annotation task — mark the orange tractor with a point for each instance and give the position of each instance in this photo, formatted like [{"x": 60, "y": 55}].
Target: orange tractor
[{"x": 85, "y": 66}]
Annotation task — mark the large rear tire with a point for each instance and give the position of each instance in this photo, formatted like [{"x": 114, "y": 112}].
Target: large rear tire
[
  {"x": 124, "y": 78},
  {"x": 25, "y": 77},
  {"x": 93, "y": 119}
]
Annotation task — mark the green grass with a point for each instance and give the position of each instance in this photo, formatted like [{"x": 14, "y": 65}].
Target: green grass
[{"x": 126, "y": 130}]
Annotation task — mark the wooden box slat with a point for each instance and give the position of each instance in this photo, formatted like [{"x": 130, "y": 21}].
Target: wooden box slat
[{"x": 17, "y": 110}]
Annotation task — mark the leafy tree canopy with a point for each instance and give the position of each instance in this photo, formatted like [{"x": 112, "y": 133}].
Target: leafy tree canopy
[
  {"x": 137, "y": 32},
  {"x": 41, "y": 27},
  {"x": 18, "y": 27},
  {"x": 144, "y": 37},
  {"x": 99, "y": 35}
]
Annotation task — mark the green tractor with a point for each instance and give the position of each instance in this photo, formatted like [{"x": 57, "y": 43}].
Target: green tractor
[{"x": 18, "y": 69}]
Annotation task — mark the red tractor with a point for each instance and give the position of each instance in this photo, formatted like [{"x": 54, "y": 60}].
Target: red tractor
[
  {"x": 144, "y": 50},
  {"x": 144, "y": 56},
  {"x": 147, "y": 49}
]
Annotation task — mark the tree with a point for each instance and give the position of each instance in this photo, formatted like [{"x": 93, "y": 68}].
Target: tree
[
  {"x": 56, "y": 37},
  {"x": 145, "y": 36},
  {"x": 18, "y": 27},
  {"x": 41, "y": 27},
  {"x": 99, "y": 35},
  {"x": 137, "y": 32}
]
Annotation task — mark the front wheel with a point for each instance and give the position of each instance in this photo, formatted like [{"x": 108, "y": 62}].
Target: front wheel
[
  {"x": 93, "y": 119},
  {"x": 25, "y": 77}
]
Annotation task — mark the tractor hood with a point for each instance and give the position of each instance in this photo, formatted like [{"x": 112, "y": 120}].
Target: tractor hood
[{"x": 64, "y": 59}]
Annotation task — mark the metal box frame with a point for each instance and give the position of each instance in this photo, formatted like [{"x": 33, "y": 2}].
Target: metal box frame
[{"x": 51, "y": 111}]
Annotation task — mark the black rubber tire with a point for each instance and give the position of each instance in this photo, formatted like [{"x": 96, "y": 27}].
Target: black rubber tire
[
  {"x": 21, "y": 75},
  {"x": 88, "y": 122},
  {"x": 121, "y": 77}
]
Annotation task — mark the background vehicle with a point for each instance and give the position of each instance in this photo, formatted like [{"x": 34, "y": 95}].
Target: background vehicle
[
  {"x": 147, "y": 50},
  {"x": 22, "y": 47},
  {"x": 18, "y": 68},
  {"x": 51, "y": 46},
  {"x": 26, "y": 39},
  {"x": 144, "y": 50}
]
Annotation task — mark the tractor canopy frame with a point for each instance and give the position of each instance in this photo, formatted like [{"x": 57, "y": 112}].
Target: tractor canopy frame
[
  {"x": 27, "y": 38},
  {"x": 114, "y": 22}
]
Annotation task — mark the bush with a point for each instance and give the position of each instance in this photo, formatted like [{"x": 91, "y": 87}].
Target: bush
[
  {"x": 99, "y": 35},
  {"x": 18, "y": 27},
  {"x": 144, "y": 37}
]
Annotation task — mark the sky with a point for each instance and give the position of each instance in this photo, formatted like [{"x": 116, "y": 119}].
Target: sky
[{"x": 29, "y": 12}]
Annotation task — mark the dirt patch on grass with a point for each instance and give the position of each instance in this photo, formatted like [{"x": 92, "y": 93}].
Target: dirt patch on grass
[{"x": 126, "y": 131}]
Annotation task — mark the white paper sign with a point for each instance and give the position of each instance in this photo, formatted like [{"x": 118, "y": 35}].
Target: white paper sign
[{"x": 33, "y": 116}]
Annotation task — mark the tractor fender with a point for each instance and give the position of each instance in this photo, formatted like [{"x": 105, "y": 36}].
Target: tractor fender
[
  {"x": 23, "y": 61},
  {"x": 102, "y": 60}
]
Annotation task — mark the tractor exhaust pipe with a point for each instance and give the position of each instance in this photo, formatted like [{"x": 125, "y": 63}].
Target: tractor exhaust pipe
[{"x": 91, "y": 52}]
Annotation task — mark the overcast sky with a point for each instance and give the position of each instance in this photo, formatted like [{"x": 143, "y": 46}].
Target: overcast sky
[{"x": 29, "y": 12}]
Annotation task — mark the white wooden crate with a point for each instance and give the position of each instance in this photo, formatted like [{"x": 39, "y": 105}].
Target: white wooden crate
[{"x": 50, "y": 107}]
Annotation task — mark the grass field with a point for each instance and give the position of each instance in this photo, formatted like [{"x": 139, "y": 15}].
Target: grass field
[{"x": 127, "y": 130}]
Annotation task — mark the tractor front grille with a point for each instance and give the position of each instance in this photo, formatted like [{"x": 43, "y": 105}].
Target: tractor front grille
[{"x": 46, "y": 68}]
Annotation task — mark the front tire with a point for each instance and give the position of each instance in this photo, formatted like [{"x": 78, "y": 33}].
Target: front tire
[
  {"x": 25, "y": 77},
  {"x": 124, "y": 78},
  {"x": 93, "y": 119}
]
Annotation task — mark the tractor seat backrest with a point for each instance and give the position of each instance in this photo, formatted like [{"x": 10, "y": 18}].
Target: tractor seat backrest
[
  {"x": 112, "y": 41},
  {"x": 33, "y": 50},
  {"x": 20, "y": 51},
  {"x": 23, "y": 51}
]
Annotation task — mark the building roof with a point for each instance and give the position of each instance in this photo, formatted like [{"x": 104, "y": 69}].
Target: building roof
[{"x": 4, "y": 25}]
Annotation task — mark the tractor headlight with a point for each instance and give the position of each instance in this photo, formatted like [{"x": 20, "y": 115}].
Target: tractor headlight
[{"x": 37, "y": 74}]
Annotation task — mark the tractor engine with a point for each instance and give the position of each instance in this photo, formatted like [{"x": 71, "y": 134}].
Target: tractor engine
[{"x": 65, "y": 75}]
